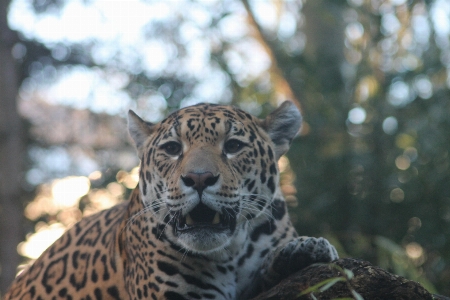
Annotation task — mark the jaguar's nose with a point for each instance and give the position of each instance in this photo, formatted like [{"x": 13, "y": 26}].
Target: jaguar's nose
[{"x": 199, "y": 181}]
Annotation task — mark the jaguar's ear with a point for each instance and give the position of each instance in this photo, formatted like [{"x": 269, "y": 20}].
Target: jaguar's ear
[
  {"x": 139, "y": 130},
  {"x": 282, "y": 125}
]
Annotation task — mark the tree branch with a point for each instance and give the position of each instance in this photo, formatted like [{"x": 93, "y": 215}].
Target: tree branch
[{"x": 281, "y": 85}]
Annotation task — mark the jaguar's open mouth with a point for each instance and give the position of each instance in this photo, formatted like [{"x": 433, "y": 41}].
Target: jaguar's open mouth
[{"x": 204, "y": 217}]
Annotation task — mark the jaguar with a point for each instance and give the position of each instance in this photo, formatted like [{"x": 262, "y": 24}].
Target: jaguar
[{"x": 207, "y": 220}]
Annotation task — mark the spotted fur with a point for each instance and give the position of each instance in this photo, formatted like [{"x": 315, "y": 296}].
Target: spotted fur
[{"x": 207, "y": 221}]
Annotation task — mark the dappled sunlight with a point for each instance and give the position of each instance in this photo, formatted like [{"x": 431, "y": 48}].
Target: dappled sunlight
[
  {"x": 357, "y": 115},
  {"x": 127, "y": 43},
  {"x": 397, "y": 195},
  {"x": 37, "y": 242},
  {"x": 287, "y": 183},
  {"x": 129, "y": 179},
  {"x": 101, "y": 20},
  {"x": 58, "y": 205},
  {"x": 127, "y": 53},
  {"x": 402, "y": 162},
  {"x": 416, "y": 253},
  {"x": 66, "y": 192},
  {"x": 59, "y": 195},
  {"x": 101, "y": 199},
  {"x": 283, "y": 163}
]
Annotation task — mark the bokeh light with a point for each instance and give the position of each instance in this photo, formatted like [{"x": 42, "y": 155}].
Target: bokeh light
[{"x": 66, "y": 192}]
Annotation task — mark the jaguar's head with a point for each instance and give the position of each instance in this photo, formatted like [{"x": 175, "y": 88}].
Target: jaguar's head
[{"x": 207, "y": 169}]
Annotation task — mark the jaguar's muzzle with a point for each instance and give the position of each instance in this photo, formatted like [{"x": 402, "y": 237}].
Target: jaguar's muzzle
[{"x": 203, "y": 217}]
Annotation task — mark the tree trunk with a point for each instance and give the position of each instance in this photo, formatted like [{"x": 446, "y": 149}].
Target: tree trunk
[
  {"x": 370, "y": 282},
  {"x": 11, "y": 156}
]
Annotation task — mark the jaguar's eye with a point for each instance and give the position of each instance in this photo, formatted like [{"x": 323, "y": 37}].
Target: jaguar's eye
[
  {"x": 172, "y": 148},
  {"x": 233, "y": 146}
]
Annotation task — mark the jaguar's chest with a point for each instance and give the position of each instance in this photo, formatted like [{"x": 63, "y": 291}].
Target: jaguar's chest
[{"x": 157, "y": 268}]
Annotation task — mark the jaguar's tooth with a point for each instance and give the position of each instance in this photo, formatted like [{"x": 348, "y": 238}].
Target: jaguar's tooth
[
  {"x": 216, "y": 219},
  {"x": 189, "y": 220}
]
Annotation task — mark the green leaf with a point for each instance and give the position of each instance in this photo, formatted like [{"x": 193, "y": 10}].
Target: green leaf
[
  {"x": 349, "y": 274},
  {"x": 332, "y": 282},
  {"x": 323, "y": 284},
  {"x": 356, "y": 295}
]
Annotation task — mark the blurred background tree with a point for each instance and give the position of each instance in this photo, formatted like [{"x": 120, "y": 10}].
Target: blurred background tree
[{"x": 370, "y": 169}]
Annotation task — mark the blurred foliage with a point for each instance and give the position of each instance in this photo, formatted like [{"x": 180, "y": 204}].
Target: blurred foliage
[
  {"x": 372, "y": 77},
  {"x": 375, "y": 160}
]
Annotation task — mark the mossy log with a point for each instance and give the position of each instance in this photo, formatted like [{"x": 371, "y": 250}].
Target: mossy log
[{"x": 368, "y": 281}]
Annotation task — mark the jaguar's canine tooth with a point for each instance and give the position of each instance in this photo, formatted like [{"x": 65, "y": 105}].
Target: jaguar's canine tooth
[
  {"x": 189, "y": 220},
  {"x": 216, "y": 219}
]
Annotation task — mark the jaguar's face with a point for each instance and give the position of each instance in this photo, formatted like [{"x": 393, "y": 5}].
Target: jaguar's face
[{"x": 206, "y": 170}]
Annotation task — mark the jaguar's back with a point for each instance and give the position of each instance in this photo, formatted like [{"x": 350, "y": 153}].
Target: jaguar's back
[{"x": 82, "y": 264}]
